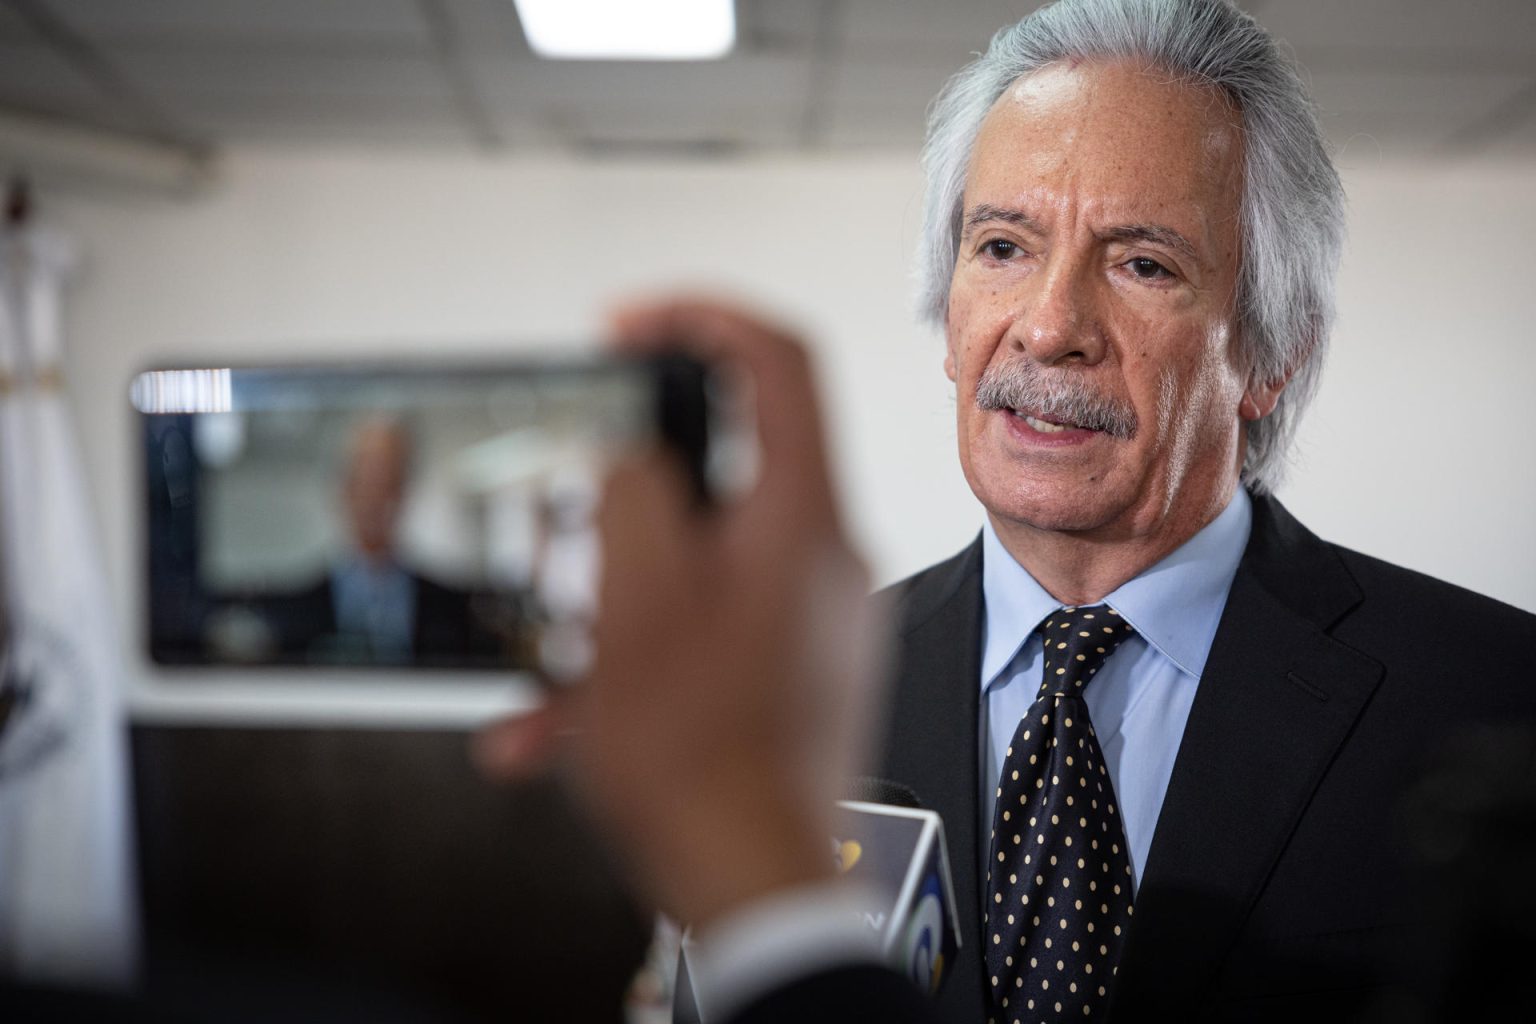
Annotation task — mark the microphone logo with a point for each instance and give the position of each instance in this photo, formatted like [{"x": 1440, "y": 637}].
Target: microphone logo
[
  {"x": 924, "y": 940},
  {"x": 846, "y": 853}
]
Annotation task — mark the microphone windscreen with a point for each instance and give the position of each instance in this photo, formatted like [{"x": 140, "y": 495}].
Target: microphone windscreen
[{"x": 870, "y": 790}]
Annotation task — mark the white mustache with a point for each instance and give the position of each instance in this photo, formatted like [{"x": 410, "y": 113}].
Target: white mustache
[{"x": 1062, "y": 397}]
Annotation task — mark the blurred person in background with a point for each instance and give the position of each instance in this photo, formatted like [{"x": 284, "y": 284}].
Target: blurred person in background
[{"x": 370, "y": 606}]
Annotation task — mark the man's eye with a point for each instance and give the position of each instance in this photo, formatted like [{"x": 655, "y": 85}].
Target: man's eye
[
  {"x": 1148, "y": 269},
  {"x": 1000, "y": 249}
]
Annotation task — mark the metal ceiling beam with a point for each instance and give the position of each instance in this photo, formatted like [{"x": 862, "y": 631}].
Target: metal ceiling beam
[
  {"x": 144, "y": 118},
  {"x": 1481, "y": 133},
  {"x": 443, "y": 31},
  {"x": 50, "y": 151},
  {"x": 826, "y": 57}
]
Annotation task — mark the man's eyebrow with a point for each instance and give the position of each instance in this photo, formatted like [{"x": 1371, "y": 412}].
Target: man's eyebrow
[
  {"x": 1154, "y": 233},
  {"x": 1157, "y": 234},
  {"x": 984, "y": 212}
]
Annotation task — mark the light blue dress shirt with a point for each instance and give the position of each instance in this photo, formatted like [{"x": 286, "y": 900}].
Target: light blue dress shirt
[
  {"x": 1140, "y": 700},
  {"x": 375, "y": 602}
]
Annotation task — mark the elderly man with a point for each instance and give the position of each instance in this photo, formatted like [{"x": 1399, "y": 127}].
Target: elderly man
[{"x": 1167, "y": 727}]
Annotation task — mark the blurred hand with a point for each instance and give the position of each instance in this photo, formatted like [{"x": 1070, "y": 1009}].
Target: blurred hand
[{"x": 736, "y": 650}]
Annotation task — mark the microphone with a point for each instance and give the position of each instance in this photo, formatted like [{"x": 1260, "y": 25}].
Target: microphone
[
  {"x": 894, "y": 849},
  {"x": 866, "y": 789}
]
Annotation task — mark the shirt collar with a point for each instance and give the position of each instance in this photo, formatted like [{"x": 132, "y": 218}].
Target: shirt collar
[
  {"x": 1175, "y": 605},
  {"x": 1015, "y": 604}
]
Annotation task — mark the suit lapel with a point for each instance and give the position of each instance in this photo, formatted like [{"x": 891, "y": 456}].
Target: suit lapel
[
  {"x": 1277, "y": 700},
  {"x": 933, "y": 745}
]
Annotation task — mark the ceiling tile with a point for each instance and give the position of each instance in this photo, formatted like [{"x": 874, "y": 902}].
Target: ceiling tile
[
  {"x": 691, "y": 86},
  {"x": 617, "y": 123},
  {"x": 1515, "y": 142},
  {"x": 36, "y": 82},
  {"x": 853, "y": 127},
  {"x": 1465, "y": 26},
  {"x": 1439, "y": 100},
  {"x": 1398, "y": 75},
  {"x": 777, "y": 26},
  {"x": 213, "y": 20},
  {"x": 282, "y": 74},
  {"x": 486, "y": 28},
  {"x": 904, "y": 89},
  {"x": 1384, "y": 115},
  {"x": 902, "y": 23},
  {"x": 395, "y": 132},
  {"x": 233, "y": 111},
  {"x": 29, "y": 75},
  {"x": 13, "y": 26},
  {"x": 753, "y": 101}
]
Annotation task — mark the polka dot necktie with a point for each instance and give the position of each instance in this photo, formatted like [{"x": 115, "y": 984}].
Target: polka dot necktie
[{"x": 1059, "y": 877}]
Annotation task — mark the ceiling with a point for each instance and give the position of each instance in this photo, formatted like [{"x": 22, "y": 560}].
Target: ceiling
[{"x": 1409, "y": 77}]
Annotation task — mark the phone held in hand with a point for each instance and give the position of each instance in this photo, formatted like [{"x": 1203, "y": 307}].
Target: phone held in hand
[{"x": 387, "y": 517}]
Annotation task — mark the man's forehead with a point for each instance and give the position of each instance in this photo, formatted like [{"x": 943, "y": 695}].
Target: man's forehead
[
  {"x": 1125, "y": 144},
  {"x": 1111, "y": 86}
]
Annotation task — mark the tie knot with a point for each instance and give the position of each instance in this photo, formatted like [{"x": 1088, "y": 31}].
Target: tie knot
[{"x": 1077, "y": 643}]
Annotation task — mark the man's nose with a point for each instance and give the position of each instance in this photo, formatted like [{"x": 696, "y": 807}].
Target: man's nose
[{"x": 1059, "y": 322}]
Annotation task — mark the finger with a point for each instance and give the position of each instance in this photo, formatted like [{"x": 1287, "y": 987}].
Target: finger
[
  {"x": 794, "y": 477},
  {"x": 649, "y": 538},
  {"x": 651, "y": 323}
]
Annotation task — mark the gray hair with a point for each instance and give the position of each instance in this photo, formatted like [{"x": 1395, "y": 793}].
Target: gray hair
[{"x": 1292, "y": 221}]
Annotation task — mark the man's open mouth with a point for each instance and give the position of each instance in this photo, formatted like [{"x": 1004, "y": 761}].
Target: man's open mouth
[{"x": 1043, "y": 425}]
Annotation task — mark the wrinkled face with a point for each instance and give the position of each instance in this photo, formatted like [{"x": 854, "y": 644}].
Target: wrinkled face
[{"x": 1091, "y": 326}]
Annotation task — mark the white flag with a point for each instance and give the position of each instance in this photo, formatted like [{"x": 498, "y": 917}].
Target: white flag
[{"x": 67, "y": 900}]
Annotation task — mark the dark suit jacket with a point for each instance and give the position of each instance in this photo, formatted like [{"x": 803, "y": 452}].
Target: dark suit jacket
[
  {"x": 1280, "y": 879},
  {"x": 445, "y": 631}
]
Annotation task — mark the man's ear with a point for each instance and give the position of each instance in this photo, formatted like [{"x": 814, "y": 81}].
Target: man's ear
[
  {"x": 1261, "y": 396},
  {"x": 949, "y": 357},
  {"x": 1259, "y": 399}
]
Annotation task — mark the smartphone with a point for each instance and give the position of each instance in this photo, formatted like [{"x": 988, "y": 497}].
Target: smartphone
[{"x": 387, "y": 517}]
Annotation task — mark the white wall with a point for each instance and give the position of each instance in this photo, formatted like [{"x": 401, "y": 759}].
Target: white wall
[
  {"x": 1417, "y": 450},
  {"x": 1420, "y": 447}
]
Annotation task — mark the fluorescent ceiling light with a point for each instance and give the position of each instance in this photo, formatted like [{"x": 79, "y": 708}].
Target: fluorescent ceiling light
[{"x": 629, "y": 29}]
